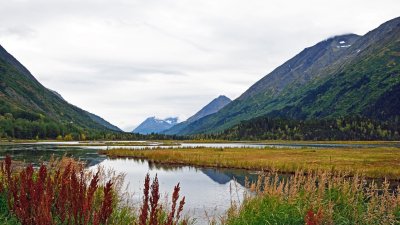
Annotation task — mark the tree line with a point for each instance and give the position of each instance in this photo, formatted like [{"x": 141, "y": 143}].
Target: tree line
[
  {"x": 26, "y": 125},
  {"x": 35, "y": 126},
  {"x": 342, "y": 128}
]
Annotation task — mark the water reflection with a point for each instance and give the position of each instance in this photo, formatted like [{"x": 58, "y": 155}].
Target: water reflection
[
  {"x": 36, "y": 154},
  {"x": 206, "y": 190},
  {"x": 243, "y": 145},
  {"x": 218, "y": 175}
]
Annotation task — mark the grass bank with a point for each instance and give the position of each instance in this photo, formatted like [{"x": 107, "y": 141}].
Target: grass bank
[
  {"x": 316, "y": 198},
  {"x": 373, "y": 162},
  {"x": 385, "y": 143}
]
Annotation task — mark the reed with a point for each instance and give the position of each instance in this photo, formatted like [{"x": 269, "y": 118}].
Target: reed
[
  {"x": 317, "y": 197},
  {"x": 152, "y": 213},
  {"x": 63, "y": 192},
  {"x": 377, "y": 162},
  {"x": 59, "y": 196}
]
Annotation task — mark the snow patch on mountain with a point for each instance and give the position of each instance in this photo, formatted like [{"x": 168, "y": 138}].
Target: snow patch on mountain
[{"x": 155, "y": 125}]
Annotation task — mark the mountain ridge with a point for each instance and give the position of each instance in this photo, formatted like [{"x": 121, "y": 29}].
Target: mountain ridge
[
  {"x": 93, "y": 116},
  {"x": 316, "y": 66},
  {"x": 212, "y": 107},
  {"x": 25, "y": 100},
  {"x": 155, "y": 125}
]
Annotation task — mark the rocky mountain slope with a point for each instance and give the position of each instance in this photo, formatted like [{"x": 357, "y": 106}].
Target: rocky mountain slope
[
  {"x": 155, "y": 125},
  {"x": 343, "y": 75},
  {"x": 211, "y": 108}
]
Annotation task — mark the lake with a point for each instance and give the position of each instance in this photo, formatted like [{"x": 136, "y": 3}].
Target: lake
[{"x": 206, "y": 189}]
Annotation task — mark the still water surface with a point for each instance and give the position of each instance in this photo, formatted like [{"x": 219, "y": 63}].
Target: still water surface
[{"x": 206, "y": 189}]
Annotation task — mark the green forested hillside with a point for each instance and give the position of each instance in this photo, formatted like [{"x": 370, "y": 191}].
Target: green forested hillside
[
  {"x": 347, "y": 77},
  {"x": 29, "y": 110},
  {"x": 341, "y": 128},
  {"x": 339, "y": 77}
]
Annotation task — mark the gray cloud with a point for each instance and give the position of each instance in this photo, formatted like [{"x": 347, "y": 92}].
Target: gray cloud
[
  {"x": 126, "y": 60},
  {"x": 18, "y": 32}
]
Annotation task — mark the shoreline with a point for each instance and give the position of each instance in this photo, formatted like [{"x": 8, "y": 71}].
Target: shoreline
[
  {"x": 214, "y": 141},
  {"x": 394, "y": 182},
  {"x": 282, "y": 160}
]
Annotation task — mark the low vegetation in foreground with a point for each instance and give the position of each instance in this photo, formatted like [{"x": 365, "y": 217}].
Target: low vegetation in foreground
[
  {"x": 373, "y": 162},
  {"x": 321, "y": 194},
  {"x": 315, "y": 198},
  {"x": 65, "y": 193}
]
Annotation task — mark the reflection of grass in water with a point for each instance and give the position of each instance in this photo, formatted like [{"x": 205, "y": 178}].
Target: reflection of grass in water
[
  {"x": 37, "y": 154},
  {"x": 117, "y": 144},
  {"x": 123, "y": 143},
  {"x": 374, "y": 162}
]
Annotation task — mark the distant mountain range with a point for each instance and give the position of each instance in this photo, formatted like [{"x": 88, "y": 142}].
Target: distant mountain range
[
  {"x": 342, "y": 76},
  {"x": 155, "y": 125},
  {"x": 170, "y": 125},
  {"x": 213, "y": 107},
  {"x": 33, "y": 110}
]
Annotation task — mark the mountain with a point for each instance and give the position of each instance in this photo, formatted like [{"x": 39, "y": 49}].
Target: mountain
[
  {"x": 211, "y": 108},
  {"x": 155, "y": 125},
  {"x": 341, "y": 76},
  {"x": 303, "y": 67},
  {"x": 56, "y": 93},
  {"x": 103, "y": 122},
  {"x": 94, "y": 117},
  {"x": 28, "y": 109}
]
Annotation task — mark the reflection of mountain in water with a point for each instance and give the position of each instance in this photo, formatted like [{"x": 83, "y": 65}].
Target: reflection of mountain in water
[
  {"x": 217, "y": 176},
  {"x": 94, "y": 161},
  {"x": 220, "y": 176},
  {"x": 224, "y": 176}
]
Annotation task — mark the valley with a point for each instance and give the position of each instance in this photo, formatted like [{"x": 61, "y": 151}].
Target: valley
[{"x": 315, "y": 141}]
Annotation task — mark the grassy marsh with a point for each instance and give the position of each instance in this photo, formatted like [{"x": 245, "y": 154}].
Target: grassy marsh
[
  {"x": 316, "y": 198},
  {"x": 373, "y": 162}
]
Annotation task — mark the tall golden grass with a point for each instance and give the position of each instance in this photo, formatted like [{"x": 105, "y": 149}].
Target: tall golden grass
[
  {"x": 373, "y": 162},
  {"x": 317, "y": 197}
]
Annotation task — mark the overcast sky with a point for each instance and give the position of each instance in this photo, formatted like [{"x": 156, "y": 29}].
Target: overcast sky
[{"x": 126, "y": 60}]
